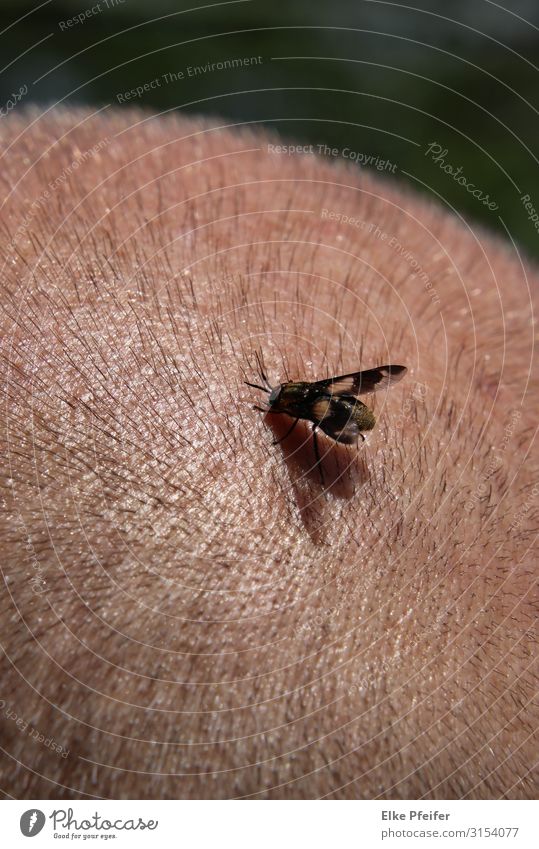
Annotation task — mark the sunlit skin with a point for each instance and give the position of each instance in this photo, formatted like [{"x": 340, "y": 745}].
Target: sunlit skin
[{"x": 186, "y": 610}]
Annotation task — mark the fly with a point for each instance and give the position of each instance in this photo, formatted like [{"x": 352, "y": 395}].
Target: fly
[{"x": 332, "y": 405}]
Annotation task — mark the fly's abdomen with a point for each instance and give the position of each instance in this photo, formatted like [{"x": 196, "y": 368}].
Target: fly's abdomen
[
  {"x": 363, "y": 416},
  {"x": 343, "y": 418}
]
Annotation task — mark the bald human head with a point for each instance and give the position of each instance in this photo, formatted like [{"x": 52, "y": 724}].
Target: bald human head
[{"x": 187, "y": 610}]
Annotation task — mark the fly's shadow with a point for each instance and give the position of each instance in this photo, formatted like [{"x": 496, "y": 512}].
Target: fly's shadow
[{"x": 316, "y": 458}]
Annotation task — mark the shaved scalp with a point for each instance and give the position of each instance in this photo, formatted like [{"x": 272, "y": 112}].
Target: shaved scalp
[{"x": 186, "y": 612}]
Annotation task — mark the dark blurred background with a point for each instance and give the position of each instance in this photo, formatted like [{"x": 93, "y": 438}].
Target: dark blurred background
[{"x": 380, "y": 78}]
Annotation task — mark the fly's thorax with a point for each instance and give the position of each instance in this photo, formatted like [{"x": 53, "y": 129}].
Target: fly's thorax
[{"x": 289, "y": 397}]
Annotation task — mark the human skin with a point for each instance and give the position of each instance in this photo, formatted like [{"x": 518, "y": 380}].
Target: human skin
[{"x": 186, "y": 611}]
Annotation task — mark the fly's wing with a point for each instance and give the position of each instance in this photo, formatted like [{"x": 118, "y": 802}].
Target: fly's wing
[
  {"x": 346, "y": 431},
  {"x": 337, "y": 417},
  {"x": 360, "y": 382}
]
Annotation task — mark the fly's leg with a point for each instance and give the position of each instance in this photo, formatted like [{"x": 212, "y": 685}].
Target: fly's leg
[
  {"x": 363, "y": 439},
  {"x": 288, "y": 432},
  {"x": 317, "y": 455}
]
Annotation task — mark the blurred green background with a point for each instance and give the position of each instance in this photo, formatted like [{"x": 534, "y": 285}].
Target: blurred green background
[{"x": 381, "y": 78}]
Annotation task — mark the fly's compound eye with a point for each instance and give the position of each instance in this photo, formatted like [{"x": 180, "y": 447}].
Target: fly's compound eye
[{"x": 274, "y": 395}]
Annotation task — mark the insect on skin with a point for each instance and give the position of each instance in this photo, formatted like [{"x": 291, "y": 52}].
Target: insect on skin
[{"x": 331, "y": 405}]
